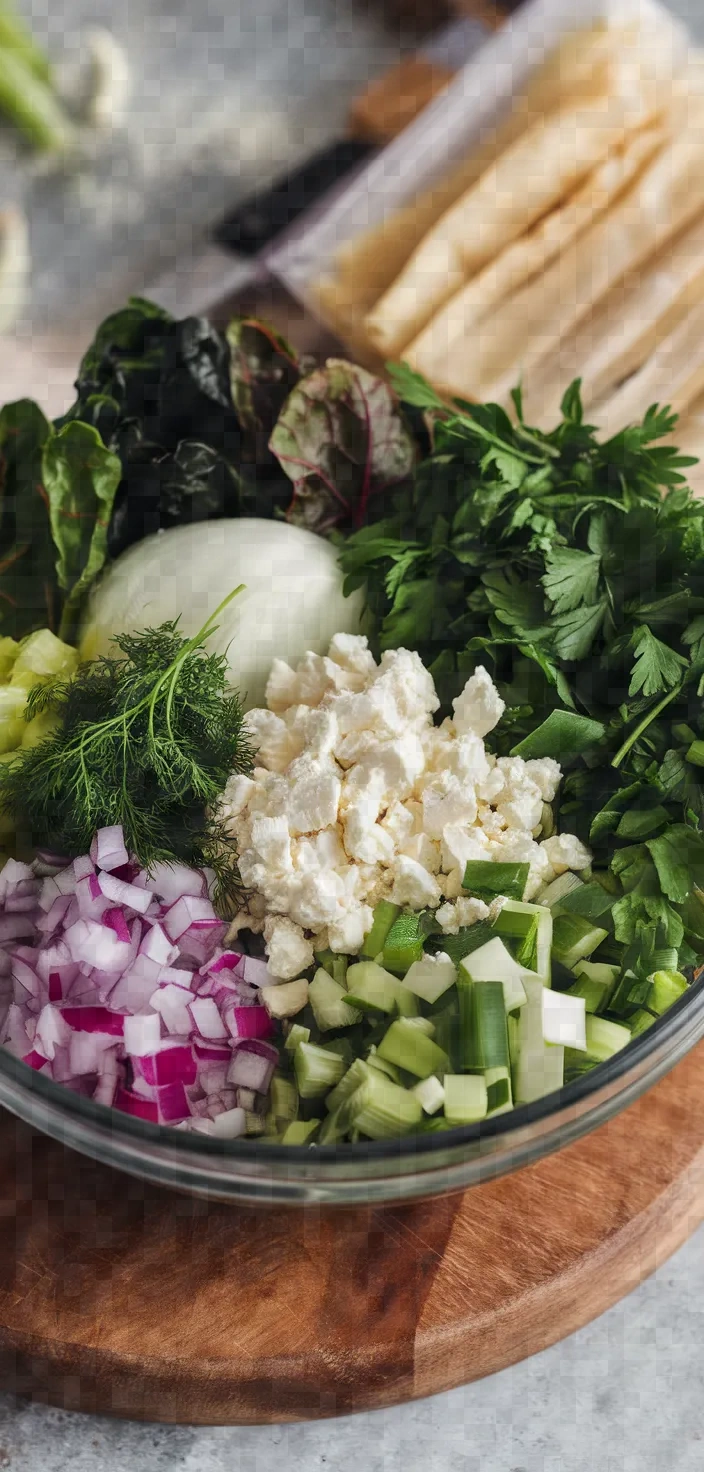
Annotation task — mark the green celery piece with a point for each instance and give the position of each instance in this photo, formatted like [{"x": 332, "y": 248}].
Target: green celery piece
[
  {"x": 300, "y": 1131},
  {"x": 384, "y": 916},
  {"x": 483, "y": 1034},
  {"x": 317, "y": 1070},
  {"x": 666, "y": 988},
  {"x": 409, "y": 1048},
  {"x": 296, "y": 1035},
  {"x": 488, "y": 880},
  {"x": 382, "y": 1065},
  {"x": 430, "y": 978},
  {"x": 466, "y": 1098},
  {"x": 382, "y": 1110},
  {"x": 404, "y": 943},
  {"x": 329, "y": 1002},
  {"x": 574, "y": 938},
  {"x": 342, "y": 1047},
  {"x": 351, "y": 1080},
  {"x": 562, "y": 735},
  {"x": 283, "y": 1099},
  {"x": 334, "y": 964},
  {"x": 332, "y": 1130},
  {"x": 28, "y": 103}
]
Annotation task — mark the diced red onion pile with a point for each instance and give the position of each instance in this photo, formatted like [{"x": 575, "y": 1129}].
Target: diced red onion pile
[{"x": 114, "y": 983}]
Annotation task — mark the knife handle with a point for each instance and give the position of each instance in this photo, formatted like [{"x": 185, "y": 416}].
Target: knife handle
[{"x": 262, "y": 217}]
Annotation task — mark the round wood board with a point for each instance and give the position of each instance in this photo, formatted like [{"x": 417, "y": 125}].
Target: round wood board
[{"x": 125, "y": 1299}]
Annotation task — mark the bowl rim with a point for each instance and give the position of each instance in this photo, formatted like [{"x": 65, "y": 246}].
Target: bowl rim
[{"x": 423, "y": 1146}]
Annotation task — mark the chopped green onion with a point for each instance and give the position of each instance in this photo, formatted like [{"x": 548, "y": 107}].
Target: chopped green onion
[
  {"x": 431, "y": 1094},
  {"x": 466, "y": 1098},
  {"x": 483, "y": 1035},
  {"x": 470, "y": 938},
  {"x": 382, "y": 1110},
  {"x": 666, "y": 988},
  {"x": 316, "y": 1070},
  {"x": 384, "y": 916},
  {"x": 574, "y": 938},
  {"x": 595, "y": 983},
  {"x": 409, "y": 1048},
  {"x": 532, "y": 926},
  {"x": 489, "y": 881},
  {"x": 329, "y": 1002},
  {"x": 591, "y": 901},
  {"x": 300, "y": 1131}
]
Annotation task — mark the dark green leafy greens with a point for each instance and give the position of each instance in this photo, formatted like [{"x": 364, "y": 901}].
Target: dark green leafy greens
[
  {"x": 147, "y": 742},
  {"x": 343, "y": 443}
]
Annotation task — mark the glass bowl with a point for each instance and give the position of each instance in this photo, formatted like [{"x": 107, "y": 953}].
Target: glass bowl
[{"x": 388, "y": 1171}]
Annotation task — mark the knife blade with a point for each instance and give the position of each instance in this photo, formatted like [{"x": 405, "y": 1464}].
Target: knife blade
[{"x": 228, "y": 261}]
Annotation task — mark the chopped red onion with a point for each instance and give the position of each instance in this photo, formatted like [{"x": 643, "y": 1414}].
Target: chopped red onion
[
  {"x": 248, "y": 1022},
  {"x": 120, "y": 893},
  {"x": 172, "y": 881},
  {"x": 90, "y": 941},
  {"x": 252, "y": 1066},
  {"x": 206, "y": 1018},
  {"x": 185, "y": 912},
  {"x": 156, "y": 946},
  {"x": 142, "y": 1034},
  {"x": 108, "y": 849},
  {"x": 229, "y": 1125},
  {"x": 172, "y": 1061}
]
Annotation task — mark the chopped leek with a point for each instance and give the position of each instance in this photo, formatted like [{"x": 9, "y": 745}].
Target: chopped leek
[
  {"x": 483, "y": 1040},
  {"x": 557, "y": 890},
  {"x": 489, "y": 880},
  {"x": 351, "y": 1080},
  {"x": 564, "y": 1019},
  {"x": 466, "y": 1098},
  {"x": 296, "y": 1034},
  {"x": 574, "y": 938},
  {"x": 335, "y": 965},
  {"x": 493, "y": 962},
  {"x": 431, "y": 1094},
  {"x": 384, "y": 916},
  {"x": 604, "y": 1038},
  {"x": 498, "y": 1090},
  {"x": 283, "y": 1099},
  {"x": 404, "y": 943},
  {"x": 640, "y": 1022},
  {"x": 666, "y": 988},
  {"x": 409, "y": 1048},
  {"x": 531, "y": 925},
  {"x": 371, "y": 988},
  {"x": 539, "y": 1067},
  {"x": 431, "y": 977}
]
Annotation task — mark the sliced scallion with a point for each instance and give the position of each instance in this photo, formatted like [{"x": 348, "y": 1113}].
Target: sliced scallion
[{"x": 466, "y": 1098}]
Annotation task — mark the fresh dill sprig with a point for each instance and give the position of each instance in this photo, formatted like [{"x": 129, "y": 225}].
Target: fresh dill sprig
[{"x": 148, "y": 742}]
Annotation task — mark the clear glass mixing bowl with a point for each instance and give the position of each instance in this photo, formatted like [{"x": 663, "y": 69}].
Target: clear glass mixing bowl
[{"x": 428, "y": 1165}]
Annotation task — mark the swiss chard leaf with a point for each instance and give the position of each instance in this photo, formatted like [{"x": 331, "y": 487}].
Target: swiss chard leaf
[
  {"x": 80, "y": 479},
  {"x": 343, "y": 443}
]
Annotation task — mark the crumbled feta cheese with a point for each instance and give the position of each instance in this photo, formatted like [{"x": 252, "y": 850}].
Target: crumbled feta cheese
[
  {"x": 565, "y": 851},
  {"x": 424, "y": 851},
  {"x": 465, "y": 911},
  {"x": 413, "y": 885},
  {"x": 359, "y": 797},
  {"x": 547, "y": 775},
  {"x": 288, "y": 951},
  {"x": 275, "y": 745},
  {"x": 479, "y": 708}
]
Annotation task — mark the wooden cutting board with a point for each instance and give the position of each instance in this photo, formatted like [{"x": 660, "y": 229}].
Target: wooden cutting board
[{"x": 124, "y": 1299}]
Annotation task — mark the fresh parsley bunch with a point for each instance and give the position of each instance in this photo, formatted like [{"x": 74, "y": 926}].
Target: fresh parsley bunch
[{"x": 574, "y": 569}]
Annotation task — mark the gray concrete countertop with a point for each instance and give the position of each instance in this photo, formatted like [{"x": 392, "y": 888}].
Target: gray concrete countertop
[{"x": 225, "y": 95}]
